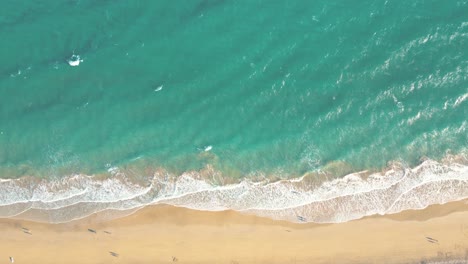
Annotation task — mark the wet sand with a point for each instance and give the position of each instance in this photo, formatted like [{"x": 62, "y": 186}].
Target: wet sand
[{"x": 166, "y": 234}]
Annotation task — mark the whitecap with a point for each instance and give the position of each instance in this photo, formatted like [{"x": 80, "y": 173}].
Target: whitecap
[
  {"x": 75, "y": 60},
  {"x": 159, "y": 88},
  {"x": 208, "y": 148},
  {"x": 460, "y": 99}
]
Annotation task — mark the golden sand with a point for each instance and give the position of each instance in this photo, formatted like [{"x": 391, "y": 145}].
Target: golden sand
[{"x": 166, "y": 234}]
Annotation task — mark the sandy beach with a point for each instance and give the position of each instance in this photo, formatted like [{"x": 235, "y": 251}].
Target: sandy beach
[{"x": 166, "y": 234}]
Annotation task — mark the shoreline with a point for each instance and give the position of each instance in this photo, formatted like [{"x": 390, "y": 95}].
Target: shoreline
[
  {"x": 316, "y": 200},
  {"x": 156, "y": 234}
]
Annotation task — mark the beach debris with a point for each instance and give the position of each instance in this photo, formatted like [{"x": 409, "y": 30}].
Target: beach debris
[
  {"x": 174, "y": 259},
  {"x": 114, "y": 254},
  {"x": 107, "y": 232},
  {"x": 12, "y": 260},
  {"x": 432, "y": 240},
  {"x": 287, "y": 230},
  {"x": 74, "y": 60},
  {"x": 92, "y": 230},
  {"x": 302, "y": 219}
]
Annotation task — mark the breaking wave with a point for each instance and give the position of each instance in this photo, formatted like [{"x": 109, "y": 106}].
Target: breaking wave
[{"x": 314, "y": 197}]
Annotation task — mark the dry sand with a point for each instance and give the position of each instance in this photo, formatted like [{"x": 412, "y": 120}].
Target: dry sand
[{"x": 156, "y": 234}]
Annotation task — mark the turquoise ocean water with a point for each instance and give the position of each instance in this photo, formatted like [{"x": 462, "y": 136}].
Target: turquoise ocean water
[{"x": 272, "y": 87}]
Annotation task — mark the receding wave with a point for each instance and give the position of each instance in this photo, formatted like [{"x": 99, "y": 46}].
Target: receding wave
[{"x": 314, "y": 197}]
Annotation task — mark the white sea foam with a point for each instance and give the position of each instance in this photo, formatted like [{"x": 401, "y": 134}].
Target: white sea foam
[
  {"x": 208, "y": 148},
  {"x": 339, "y": 200},
  {"x": 159, "y": 88},
  {"x": 460, "y": 99},
  {"x": 75, "y": 60}
]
